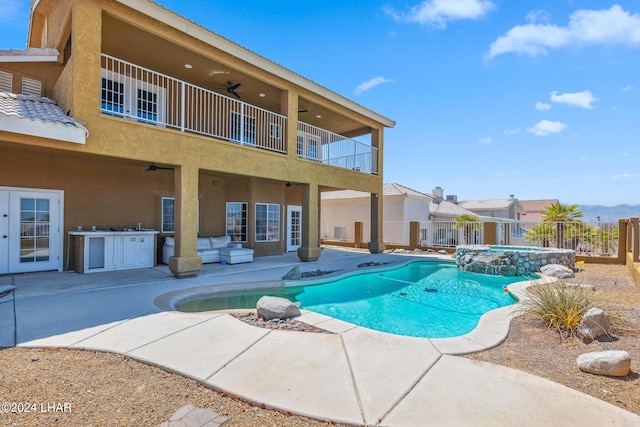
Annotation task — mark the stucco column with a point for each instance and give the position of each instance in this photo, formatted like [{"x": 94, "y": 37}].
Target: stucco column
[
  {"x": 490, "y": 233},
  {"x": 289, "y": 102},
  {"x": 310, "y": 249},
  {"x": 635, "y": 243},
  {"x": 186, "y": 262},
  {"x": 376, "y": 245},
  {"x": 622, "y": 241}
]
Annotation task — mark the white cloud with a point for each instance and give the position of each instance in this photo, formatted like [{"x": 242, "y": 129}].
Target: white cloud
[
  {"x": 546, "y": 128},
  {"x": 486, "y": 140},
  {"x": 438, "y": 13},
  {"x": 512, "y": 131},
  {"x": 538, "y": 16},
  {"x": 585, "y": 27},
  {"x": 628, "y": 88},
  {"x": 583, "y": 99},
  {"x": 626, "y": 175},
  {"x": 542, "y": 106},
  {"x": 363, "y": 87}
]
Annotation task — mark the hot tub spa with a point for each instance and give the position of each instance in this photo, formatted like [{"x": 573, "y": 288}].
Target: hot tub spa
[{"x": 510, "y": 260}]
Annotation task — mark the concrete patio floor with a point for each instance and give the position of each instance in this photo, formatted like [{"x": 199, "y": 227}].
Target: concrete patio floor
[{"x": 356, "y": 375}]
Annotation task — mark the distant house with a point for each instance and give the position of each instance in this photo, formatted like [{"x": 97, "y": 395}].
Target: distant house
[
  {"x": 496, "y": 208},
  {"x": 441, "y": 209},
  {"x": 341, "y": 209},
  {"x": 533, "y": 208}
]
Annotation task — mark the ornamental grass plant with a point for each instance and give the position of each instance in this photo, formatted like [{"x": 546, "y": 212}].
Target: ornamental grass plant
[{"x": 561, "y": 307}]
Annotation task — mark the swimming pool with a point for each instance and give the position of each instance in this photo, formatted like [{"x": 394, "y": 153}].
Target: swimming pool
[{"x": 421, "y": 299}]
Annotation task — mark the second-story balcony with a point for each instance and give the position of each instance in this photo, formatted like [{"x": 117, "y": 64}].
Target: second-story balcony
[{"x": 137, "y": 93}]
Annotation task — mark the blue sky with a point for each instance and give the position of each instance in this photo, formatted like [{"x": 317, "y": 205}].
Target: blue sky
[{"x": 540, "y": 99}]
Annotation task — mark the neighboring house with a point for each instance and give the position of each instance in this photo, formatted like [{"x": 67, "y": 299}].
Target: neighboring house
[
  {"x": 341, "y": 209},
  {"x": 121, "y": 113},
  {"x": 533, "y": 208},
  {"x": 496, "y": 208},
  {"x": 441, "y": 209}
]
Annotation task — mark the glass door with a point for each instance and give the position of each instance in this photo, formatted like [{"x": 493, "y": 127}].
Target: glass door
[
  {"x": 294, "y": 228},
  {"x": 34, "y": 231}
]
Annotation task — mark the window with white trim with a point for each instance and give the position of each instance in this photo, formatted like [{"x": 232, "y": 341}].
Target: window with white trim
[
  {"x": 237, "y": 221},
  {"x": 123, "y": 96},
  {"x": 243, "y": 128},
  {"x": 267, "y": 222},
  {"x": 168, "y": 214}
]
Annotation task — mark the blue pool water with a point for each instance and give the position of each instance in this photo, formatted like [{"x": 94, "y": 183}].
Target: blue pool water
[{"x": 421, "y": 299}]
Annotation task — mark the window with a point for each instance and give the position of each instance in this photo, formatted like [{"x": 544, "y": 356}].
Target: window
[
  {"x": 267, "y": 222},
  {"x": 237, "y": 221},
  {"x": 112, "y": 97},
  {"x": 34, "y": 229},
  {"x": 147, "y": 105},
  {"x": 139, "y": 100},
  {"x": 312, "y": 153},
  {"x": 168, "y": 211},
  {"x": 275, "y": 130},
  {"x": 243, "y": 128}
]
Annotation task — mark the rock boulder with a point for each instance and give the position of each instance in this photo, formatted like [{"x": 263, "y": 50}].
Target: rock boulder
[
  {"x": 276, "y": 308},
  {"x": 557, "y": 270},
  {"x": 595, "y": 323},
  {"x": 614, "y": 363}
]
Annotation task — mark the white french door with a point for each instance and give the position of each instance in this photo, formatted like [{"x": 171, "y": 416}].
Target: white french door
[
  {"x": 30, "y": 230},
  {"x": 294, "y": 228}
]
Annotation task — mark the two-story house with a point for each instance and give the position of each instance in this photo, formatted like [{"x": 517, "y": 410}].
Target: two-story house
[{"x": 122, "y": 114}]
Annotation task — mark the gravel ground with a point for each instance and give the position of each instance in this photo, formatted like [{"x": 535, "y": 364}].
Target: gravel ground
[
  {"x": 532, "y": 348},
  {"x": 85, "y": 388}
]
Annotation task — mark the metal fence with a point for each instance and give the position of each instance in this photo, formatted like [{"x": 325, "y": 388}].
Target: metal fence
[
  {"x": 450, "y": 233},
  {"x": 585, "y": 239}
]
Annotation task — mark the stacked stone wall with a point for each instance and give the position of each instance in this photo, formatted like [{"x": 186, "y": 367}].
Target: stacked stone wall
[{"x": 525, "y": 260}]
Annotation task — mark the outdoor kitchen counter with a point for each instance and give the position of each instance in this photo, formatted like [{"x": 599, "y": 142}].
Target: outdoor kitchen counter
[{"x": 101, "y": 250}]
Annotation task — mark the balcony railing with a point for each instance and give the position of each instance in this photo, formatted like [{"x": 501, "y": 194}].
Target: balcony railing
[
  {"x": 143, "y": 95},
  {"x": 332, "y": 149},
  {"x": 146, "y": 96}
]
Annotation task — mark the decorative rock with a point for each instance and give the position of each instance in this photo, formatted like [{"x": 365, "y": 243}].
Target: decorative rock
[
  {"x": 276, "y": 308},
  {"x": 293, "y": 274},
  {"x": 557, "y": 270},
  {"x": 614, "y": 363},
  {"x": 595, "y": 323}
]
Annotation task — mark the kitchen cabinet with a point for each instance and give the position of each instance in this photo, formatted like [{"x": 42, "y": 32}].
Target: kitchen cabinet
[{"x": 93, "y": 251}]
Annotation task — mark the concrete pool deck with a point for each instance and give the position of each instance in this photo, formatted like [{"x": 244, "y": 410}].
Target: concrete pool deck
[{"x": 356, "y": 375}]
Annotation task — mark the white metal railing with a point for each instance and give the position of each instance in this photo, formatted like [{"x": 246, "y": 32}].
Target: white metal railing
[
  {"x": 450, "y": 233},
  {"x": 330, "y": 148},
  {"x": 342, "y": 231},
  {"x": 136, "y": 93},
  {"x": 585, "y": 239}
]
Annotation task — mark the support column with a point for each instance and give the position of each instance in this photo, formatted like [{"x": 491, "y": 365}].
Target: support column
[
  {"x": 310, "y": 249},
  {"x": 622, "y": 241},
  {"x": 289, "y": 108},
  {"x": 186, "y": 262},
  {"x": 376, "y": 245},
  {"x": 635, "y": 238},
  {"x": 490, "y": 233}
]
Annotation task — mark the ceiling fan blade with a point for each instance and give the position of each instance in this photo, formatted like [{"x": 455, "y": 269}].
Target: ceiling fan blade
[
  {"x": 303, "y": 111},
  {"x": 233, "y": 92}
]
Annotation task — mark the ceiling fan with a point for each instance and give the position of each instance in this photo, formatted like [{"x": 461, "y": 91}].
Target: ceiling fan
[
  {"x": 153, "y": 167},
  {"x": 233, "y": 87}
]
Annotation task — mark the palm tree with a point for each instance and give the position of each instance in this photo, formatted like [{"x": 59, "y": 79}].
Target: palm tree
[{"x": 561, "y": 214}]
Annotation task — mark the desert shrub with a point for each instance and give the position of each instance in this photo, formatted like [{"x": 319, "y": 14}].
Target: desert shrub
[{"x": 560, "y": 307}]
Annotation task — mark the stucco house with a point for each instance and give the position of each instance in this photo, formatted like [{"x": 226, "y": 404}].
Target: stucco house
[
  {"x": 123, "y": 115},
  {"x": 533, "y": 208},
  {"x": 495, "y": 208},
  {"x": 342, "y": 209}
]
